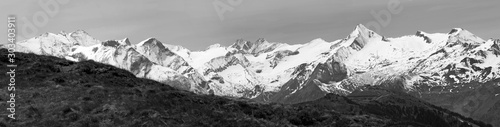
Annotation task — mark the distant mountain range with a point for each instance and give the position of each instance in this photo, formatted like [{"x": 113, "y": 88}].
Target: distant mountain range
[
  {"x": 456, "y": 70},
  {"x": 55, "y": 92}
]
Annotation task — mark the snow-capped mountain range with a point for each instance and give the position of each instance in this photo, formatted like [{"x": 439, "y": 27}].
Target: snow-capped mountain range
[{"x": 281, "y": 72}]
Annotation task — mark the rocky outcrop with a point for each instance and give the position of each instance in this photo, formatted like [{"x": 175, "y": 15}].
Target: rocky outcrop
[
  {"x": 495, "y": 48},
  {"x": 423, "y": 35},
  {"x": 275, "y": 57},
  {"x": 155, "y": 51},
  {"x": 255, "y": 48},
  {"x": 82, "y": 38}
]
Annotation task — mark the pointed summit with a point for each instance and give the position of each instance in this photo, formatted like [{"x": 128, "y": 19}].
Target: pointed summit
[
  {"x": 241, "y": 44},
  {"x": 151, "y": 42},
  {"x": 147, "y": 41},
  {"x": 361, "y": 31},
  {"x": 361, "y": 27},
  {"x": 156, "y": 52},
  {"x": 460, "y": 35},
  {"x": 125, "y": 41},
  {"x": 261, "y": 40},
  {"x": 82, "y": 38},
  {"x": 455, "y": 31},
  {"x": 361, "y": 36}
]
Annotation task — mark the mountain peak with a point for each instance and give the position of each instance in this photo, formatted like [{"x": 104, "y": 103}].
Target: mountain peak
[
  {"x": 261, "y": 40},
  {"x": 361, "y": 31},
  {"x": 125, "y": 41},
  {"x": 79, "y": 32},
  {"x": 360, "y": 36},
  {"x": 463, "y": 33},
  {"x": 252, "y": 69},
  {"x": 455, "y": 31},
  {"x": 241, "y": 44},
  {"x": 151, "y": 42},
  {"x": 361, "y": 26},
  {"x": 460, "y": 35},
  {"x": 82, "y": 38}
]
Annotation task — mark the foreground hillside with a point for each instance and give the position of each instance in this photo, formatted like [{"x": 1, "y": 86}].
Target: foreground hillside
[{"x": 56, "y": 92}]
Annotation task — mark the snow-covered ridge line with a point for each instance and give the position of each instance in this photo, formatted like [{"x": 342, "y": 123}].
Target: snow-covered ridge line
[{"x": 262, "y": 69}]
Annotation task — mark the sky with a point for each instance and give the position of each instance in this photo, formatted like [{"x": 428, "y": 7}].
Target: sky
[{"x": 196, "y": 24}]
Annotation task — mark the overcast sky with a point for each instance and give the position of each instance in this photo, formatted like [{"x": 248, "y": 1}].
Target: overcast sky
[{"x": 195, "y": 24}]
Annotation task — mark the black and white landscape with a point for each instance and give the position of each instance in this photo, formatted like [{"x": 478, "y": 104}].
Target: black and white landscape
[
  {"x": 450, "y": 78},
  {"x": 456, "y": 71}
]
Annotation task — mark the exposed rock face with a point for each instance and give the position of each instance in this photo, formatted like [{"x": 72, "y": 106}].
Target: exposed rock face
[
  {"x": 222, "y": 63},
  {"x": 278, "y": 55},
  {"x": 158, "y": 53},
  {"x": 331, "y": 71},
  {"x": 255, "y": 48},
  {"x": 423, "y": 35},
  {"x": 496, "y": 47},
  {"x": 82, "y": 38}
]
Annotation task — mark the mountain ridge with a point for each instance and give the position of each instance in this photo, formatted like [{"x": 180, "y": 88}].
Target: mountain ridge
[
  {"x": 279, "y": 72},
  {"x": 59, "y": 92}
]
